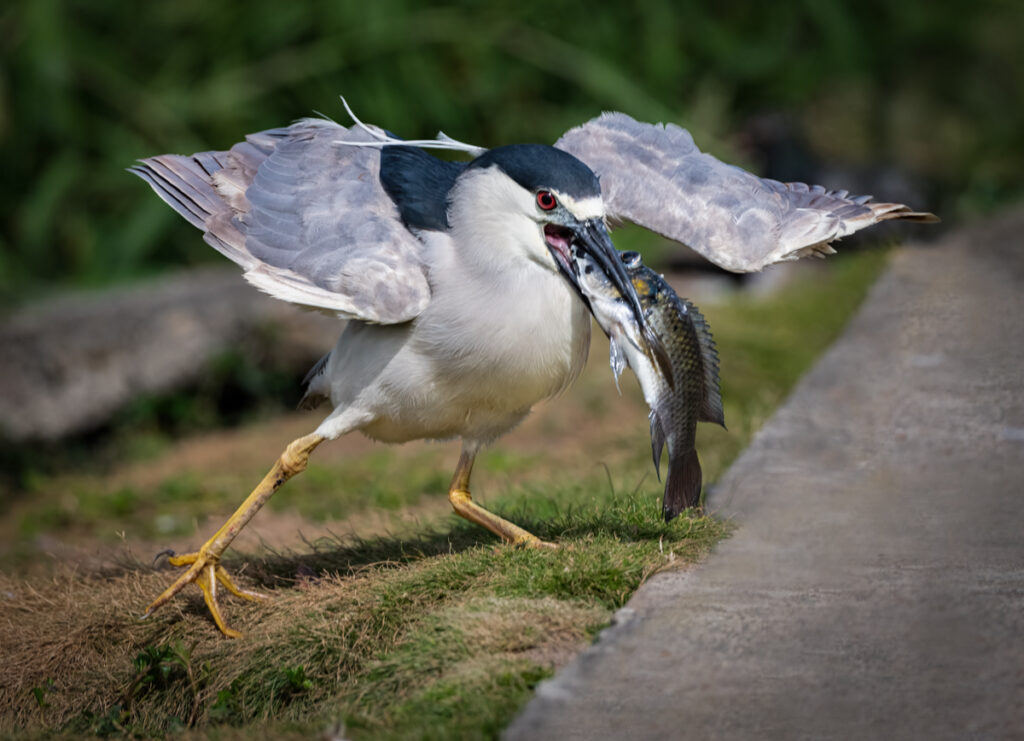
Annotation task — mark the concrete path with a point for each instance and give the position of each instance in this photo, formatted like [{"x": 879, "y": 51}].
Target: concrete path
[{"x": 874, "y": 588}]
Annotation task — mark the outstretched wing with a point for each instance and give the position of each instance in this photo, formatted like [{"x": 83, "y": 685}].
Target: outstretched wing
[
  {"x": 654, "y": 176},
  {"x": 305, "y": 217}
]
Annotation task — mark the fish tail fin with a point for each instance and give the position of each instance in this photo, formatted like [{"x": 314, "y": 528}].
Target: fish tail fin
[{"x": 682, "y": 486}]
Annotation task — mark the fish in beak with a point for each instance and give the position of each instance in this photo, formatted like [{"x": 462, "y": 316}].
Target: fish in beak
[
  {"x": 683, "y": 332},
  {"x": 591, "y": 238}
]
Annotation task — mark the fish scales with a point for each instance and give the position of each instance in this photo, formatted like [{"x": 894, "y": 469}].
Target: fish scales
[{"x": 682, "y": 387}]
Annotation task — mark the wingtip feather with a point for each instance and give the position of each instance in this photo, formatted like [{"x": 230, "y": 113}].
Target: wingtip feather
[{"x": 893, "y": 211}]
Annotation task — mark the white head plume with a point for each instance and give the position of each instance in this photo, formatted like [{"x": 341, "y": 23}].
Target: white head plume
[{"x": 443, "y": 141}]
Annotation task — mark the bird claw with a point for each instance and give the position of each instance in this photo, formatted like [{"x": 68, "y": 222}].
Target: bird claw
[
  {"x": 205, "y": 571},
  {"x": 166, "y": 552}
]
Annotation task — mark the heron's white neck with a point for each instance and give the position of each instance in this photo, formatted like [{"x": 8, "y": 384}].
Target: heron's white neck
[{"x": 493, "y": 225}]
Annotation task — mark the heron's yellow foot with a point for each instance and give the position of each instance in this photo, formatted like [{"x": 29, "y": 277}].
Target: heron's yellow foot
[
  {"x": 464, "y": 506},
  {"x": 204, "y": 567},
  {"x": 205, "y": 571},
  {"x": 532, "y": 542}
]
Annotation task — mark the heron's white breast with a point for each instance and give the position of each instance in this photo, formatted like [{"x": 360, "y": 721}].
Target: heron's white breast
[
  {"x": 503, "y": 330},
  {"x": 500, "y": 335}
]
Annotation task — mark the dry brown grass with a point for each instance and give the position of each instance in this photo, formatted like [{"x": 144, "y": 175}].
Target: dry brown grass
[{"x": 371, "y": 626}]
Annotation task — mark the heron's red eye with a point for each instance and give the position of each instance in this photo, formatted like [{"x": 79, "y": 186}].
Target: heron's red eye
[{"x": 545, "y": 200}]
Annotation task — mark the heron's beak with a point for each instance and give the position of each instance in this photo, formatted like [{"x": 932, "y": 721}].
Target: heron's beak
[{"x": 592, "y": 238}]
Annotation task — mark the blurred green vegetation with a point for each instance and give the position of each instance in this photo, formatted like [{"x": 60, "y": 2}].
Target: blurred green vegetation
[{"x": 87, "y": 86}]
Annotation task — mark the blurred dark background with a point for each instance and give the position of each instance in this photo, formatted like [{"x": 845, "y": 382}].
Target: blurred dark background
[{"x": 921, "y": 99}]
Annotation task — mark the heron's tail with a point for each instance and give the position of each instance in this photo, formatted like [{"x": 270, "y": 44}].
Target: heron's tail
[{"x": 316, "y": 385}]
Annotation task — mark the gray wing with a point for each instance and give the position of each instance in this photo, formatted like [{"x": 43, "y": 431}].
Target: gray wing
[
  {"x": 654, "y": 176},
  {"x": 305, "y": 217}
]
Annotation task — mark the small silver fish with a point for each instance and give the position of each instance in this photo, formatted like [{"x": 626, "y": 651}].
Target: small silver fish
[{"x": 678, "y": 372}]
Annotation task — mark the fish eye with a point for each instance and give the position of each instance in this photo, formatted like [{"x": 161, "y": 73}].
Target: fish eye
[
  {"x": 545, "y": 200},
  {"x": 588, "y": 268},
  {"x": 630, "y": 258}
]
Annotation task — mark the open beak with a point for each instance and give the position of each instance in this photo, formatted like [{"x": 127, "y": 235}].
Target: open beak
[
  {"x": 592, "y": 238},
  {"x": 560, "y": 241}
]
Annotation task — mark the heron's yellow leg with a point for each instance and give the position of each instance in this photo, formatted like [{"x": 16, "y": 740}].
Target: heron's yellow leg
[
  {"x": 204, "y": 565},
  {"x": 464, "y": 506}
]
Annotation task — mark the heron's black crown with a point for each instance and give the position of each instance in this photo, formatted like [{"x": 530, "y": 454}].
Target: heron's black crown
[
  {"x": 536, "y": 166},
  {"x": 419, "y": 183}
]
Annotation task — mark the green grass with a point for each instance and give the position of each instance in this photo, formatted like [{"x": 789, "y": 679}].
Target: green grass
[
  {"x": 431, "y": 636},
  {"x": 433, "y": 632}
]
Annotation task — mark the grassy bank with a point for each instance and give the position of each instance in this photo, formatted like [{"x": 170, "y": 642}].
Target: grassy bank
[{"x": 430, "y": 629}]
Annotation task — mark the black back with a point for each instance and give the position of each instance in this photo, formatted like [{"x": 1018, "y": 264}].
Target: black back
[{"x": 418, "y": 183}]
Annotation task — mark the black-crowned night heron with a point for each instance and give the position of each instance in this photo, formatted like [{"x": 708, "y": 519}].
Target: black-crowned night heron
[{"x": 455, "y": 278}]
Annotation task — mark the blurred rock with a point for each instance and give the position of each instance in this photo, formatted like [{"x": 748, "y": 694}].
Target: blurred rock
[{"x": 68, "y": 364}]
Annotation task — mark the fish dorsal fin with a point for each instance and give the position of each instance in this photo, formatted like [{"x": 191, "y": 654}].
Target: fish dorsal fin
[{"x": 711, "y": 405}]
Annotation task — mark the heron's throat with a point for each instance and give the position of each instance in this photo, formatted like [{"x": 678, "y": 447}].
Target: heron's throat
[{"x": 558, "y": 238}]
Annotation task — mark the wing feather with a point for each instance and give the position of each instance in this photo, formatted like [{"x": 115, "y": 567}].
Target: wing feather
[
  {"x": 655, "y": 176},
  {"x": 305, "y": 217}
]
